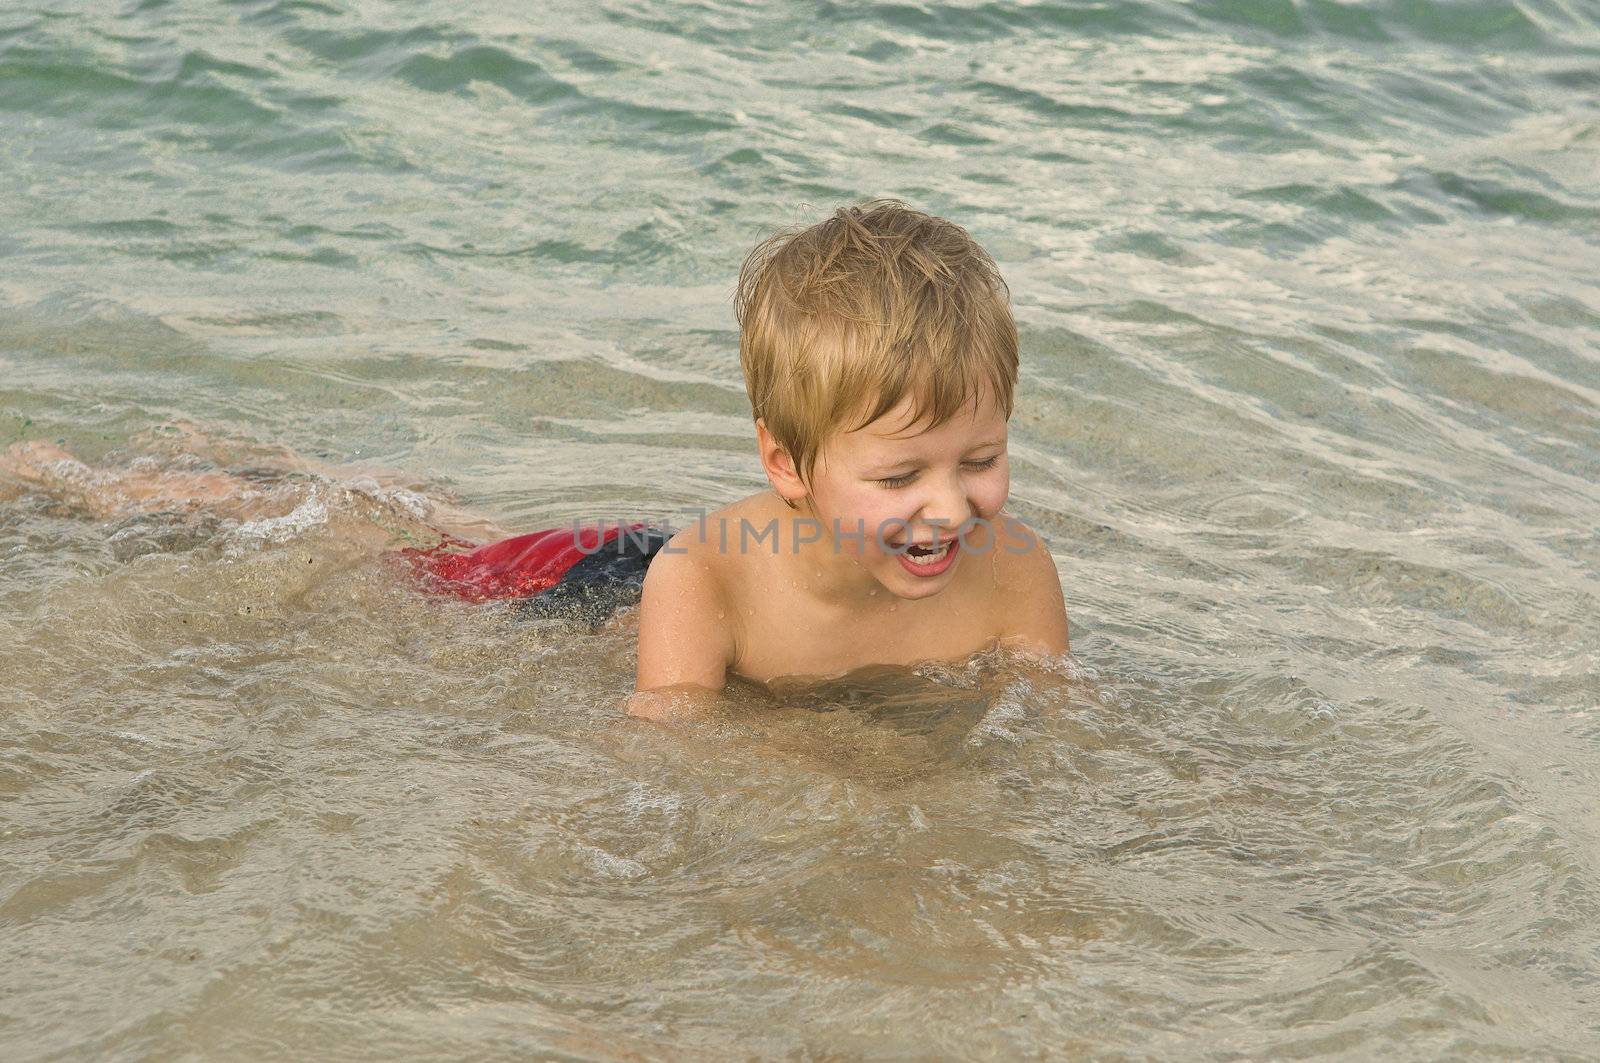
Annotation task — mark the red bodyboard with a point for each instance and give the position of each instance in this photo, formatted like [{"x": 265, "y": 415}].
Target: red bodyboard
[{"x": 519, "y": 567}]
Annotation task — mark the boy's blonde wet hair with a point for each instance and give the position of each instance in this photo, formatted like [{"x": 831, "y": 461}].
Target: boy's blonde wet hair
[{"x": 841, "y": 321}]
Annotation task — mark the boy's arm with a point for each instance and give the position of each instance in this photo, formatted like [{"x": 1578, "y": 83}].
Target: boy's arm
[
  {"x": 1033, "y": 611},
  {"x": 685, "y": 643}
]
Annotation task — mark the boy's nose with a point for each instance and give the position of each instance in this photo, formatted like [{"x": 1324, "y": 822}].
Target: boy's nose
[{"x": 946, "y": 508}]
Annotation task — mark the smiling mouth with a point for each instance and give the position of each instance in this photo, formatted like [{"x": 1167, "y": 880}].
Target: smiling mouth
[{"x": 927, "y": 554}]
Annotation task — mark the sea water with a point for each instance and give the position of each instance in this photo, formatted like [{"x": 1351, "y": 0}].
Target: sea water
[{"x": 1309, "y": 414}]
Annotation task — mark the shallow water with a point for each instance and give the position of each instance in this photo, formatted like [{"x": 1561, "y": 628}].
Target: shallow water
[{"x": 1310, "y": 414}]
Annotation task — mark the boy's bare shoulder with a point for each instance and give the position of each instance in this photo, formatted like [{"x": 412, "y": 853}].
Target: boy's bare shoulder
[
  {"x": 701, "y": 565},
  {"x": 711, "y": 545},
  {"x": 688, "y": 562},
  {"x": 1014, "y": 540},
  {"x": 1030, "y": 607}
]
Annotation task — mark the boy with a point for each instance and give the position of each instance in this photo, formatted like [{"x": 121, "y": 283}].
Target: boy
[{"x": 880, "y": 356}]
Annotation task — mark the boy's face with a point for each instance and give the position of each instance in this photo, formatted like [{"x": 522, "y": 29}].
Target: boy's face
[{"x": 903, "y": 484}]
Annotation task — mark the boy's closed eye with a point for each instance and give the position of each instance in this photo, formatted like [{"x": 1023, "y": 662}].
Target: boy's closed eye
[{"x": 905, "y": 479}]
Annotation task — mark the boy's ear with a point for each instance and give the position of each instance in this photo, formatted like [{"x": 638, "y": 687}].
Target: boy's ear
[{"x": 779, "y": 465}]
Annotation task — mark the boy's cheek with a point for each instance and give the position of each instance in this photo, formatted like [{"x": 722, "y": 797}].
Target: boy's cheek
[
  {"x": 990, "y": 501},
  {"x": 865, "y": 539},
  {"x": 875, "y": 528},
  {"x": 865, "y": 518}
]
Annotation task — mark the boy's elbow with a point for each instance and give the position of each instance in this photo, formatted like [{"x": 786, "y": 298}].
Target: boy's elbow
[{"x": 673, "y": 704}]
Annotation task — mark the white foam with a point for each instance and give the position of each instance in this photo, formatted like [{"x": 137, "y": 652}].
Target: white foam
[{"x": 256, "y": 534}]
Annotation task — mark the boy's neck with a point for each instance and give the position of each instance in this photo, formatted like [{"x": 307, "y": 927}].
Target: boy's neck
[{"x": 827, "y": 570}]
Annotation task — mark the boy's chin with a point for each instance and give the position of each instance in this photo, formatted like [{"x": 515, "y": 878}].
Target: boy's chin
[{"x": 902, "y": 584}]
